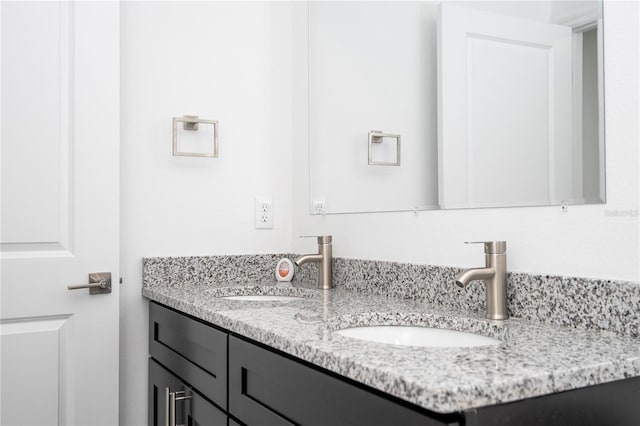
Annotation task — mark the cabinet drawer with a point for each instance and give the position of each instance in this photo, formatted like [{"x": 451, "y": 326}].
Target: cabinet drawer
[
  {"x": 269, "y": 389},
  {"x": 195, "y": 352},
  {"x": 195, "y": 411}
]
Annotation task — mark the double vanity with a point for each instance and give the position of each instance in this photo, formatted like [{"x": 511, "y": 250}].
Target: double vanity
[{"x": 228, "y": 351}]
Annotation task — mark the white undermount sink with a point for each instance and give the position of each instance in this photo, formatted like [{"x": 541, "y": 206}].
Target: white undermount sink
[
  {"x": 417, "y": 336},
  {"x": 262, "y": 298}
]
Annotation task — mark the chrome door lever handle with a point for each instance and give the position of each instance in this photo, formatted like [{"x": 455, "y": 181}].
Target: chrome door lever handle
[{"x": 99, "y": 283}]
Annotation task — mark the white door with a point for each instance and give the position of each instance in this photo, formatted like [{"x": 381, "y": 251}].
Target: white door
[
  {"x": 60, "y": 156},
  {"x": 504, "y": 110}
]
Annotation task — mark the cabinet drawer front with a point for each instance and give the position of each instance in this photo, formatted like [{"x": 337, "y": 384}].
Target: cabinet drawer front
[
  {"x": 269, "y": 389},
  {"x": 194, "y": 351},
  {"x": 196, "y": 411}
]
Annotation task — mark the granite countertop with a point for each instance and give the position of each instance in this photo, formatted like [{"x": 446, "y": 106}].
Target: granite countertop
[{"x": 534, "y": 359}]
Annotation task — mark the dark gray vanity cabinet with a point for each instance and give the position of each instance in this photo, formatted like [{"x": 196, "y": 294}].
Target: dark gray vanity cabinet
[
  {"x": 266, "y": 388},
  {"x": 187, "y": 407},
  {"x": 233, "y": 381},
  {"x": 190, "y": 349},
  {"x": 189, "y": 362},
  {"x": 608, "y": 404}
]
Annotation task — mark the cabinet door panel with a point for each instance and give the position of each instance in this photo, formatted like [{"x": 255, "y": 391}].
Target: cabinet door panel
[
  {"x": 196, "y": 411},
  {"x": 194, "y": 351},
  {"x": 614, "y": 403},
  {"x": 269, "y": 389}
]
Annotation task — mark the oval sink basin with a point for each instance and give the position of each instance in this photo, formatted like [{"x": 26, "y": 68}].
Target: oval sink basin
[
  {"x": 262, "y": 298},
  {"x": 417, "y": 336}
]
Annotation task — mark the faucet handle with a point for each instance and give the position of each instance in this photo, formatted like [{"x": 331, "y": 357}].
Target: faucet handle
[
  {"x": 491, "y": 247},
  {"x": 322, "y": 239}
]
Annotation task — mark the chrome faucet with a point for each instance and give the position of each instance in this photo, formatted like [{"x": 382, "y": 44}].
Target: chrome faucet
[
  {"x": 323, "y": 258},
  {"x": 494, "y": 275}
]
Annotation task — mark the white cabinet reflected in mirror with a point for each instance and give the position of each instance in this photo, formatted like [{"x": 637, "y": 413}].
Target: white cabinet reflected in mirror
[{"x": 497, "y": 104}]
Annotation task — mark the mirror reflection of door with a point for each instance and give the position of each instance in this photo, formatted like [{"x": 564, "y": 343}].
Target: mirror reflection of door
[
  {"x": 513, "y": 111},
  {"x": 505, "y": 110}
]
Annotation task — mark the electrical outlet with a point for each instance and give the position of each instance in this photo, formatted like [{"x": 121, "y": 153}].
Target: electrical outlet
[
  {"x": 264, "y": 213},
  {"x": 319, "y": 206}
]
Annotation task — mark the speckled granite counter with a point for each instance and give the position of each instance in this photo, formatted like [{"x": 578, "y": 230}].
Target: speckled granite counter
[
  {"x": 566, "y": 301},
  {"x": 534, "y": 358}
]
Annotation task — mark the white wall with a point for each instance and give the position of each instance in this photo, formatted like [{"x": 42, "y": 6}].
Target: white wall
[
  {"x": 599, "y": 241},
  {"x": 225, "y": 61},
  {"x": 232, "y": 62}
]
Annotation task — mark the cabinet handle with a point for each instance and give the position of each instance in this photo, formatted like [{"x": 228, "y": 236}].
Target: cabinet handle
[
  {"x": 167, "y": 397},
  {"x": 170, "y": 399}
]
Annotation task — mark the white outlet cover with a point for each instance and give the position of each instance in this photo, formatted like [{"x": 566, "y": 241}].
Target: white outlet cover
[
  {"x": 263, "y": 213},
  {"x": 319, "y": 206}
]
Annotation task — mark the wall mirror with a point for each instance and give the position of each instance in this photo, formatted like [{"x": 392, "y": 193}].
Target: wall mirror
[{"x": 441, "y": 105}]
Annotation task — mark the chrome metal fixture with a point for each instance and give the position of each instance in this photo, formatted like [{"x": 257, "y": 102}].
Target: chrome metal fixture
[
  {"x": 190, "y": 123},
  {"x": 99, "y": 283},
  {"x": 170, "y": 399},
  {"x": 494, "y": 275},
  {"x": 323, "y": 258},
  {"x": 376, "y": 136}
]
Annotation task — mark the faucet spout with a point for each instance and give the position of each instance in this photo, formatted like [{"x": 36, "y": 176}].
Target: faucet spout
[
  {"x": 306, "y": 258},
  {"x": 323, "y": 258},
  {"x": 465, "y": 277},
  {"x": 494, "y": 276}
]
